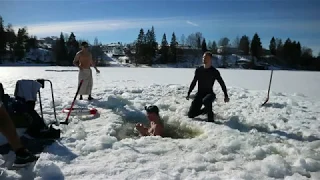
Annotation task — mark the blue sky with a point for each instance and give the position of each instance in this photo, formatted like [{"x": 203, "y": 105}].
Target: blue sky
[{"x": 113, "y": 21}]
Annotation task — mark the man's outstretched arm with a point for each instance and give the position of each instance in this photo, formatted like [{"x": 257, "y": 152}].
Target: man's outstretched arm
[
  {"x": 193, "y": 83},
  {"x": 222, "y": 84},
  {"x": 93, "y": 63}
]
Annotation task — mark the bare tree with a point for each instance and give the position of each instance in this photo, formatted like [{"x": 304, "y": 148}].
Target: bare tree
[
  {"x": 224, "y": 41},
  {"x": 183, "y": 40},
  {"x": 194, "y": 57},
  {"x": 194, "y": 40},
  {"x": 95, "y": 42},
  {"x": 66, "y": 36},
  {"x": 209, "y": 45},
  {"x": 236, "y": 42},
  {"x": 96, "y": 50},
  {"x": 306, "y": 52},
  {"x": 199, "y": 39}
]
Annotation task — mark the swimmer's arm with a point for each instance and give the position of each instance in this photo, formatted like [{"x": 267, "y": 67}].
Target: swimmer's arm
[{"x": 144, "y": 131}]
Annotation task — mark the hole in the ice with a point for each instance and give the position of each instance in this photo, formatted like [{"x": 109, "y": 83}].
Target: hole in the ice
[
  {"x": 172, "y": 130},
  {"x": 177, "y": 131}
]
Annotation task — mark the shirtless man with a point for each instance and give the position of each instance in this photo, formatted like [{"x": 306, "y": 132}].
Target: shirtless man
[
  {"x": 156, "y": 125},
  {"x": 84, "y": 61}
]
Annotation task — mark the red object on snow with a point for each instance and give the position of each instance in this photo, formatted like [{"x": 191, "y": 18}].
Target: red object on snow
[{"x": 81, "y": 111}]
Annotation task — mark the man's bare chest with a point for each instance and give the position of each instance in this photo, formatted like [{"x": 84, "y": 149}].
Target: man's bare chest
[{"x": 84, "y": 58}]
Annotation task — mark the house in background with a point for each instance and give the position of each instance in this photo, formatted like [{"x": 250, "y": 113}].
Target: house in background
[
  {"x": 116, "y": 49},
  {"x": 228, "y": 50},
  {"x": 47, "y": 42}
]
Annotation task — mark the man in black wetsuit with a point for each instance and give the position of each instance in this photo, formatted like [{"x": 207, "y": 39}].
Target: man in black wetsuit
[{"x": 205, "y": 76}]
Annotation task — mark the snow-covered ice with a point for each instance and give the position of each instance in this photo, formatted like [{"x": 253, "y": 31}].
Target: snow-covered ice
[{"x": 278, "y": 141}]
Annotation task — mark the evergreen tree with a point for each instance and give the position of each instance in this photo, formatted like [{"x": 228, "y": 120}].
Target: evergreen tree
[
  {"x": 286, "y": 50},
  {"x": 147, "y": 37},
  {"x": 292, "y": 52},
  {"x": 60, "y": 51},
  {"x": 31, "y": 43},
  {"x": 153, "y": 41},
  {"x": 272, "y": 46},
  {"x": 19, "y": 47},
  {"x": 148, "y": 48},
  {"x": 279, "y": 44},
  {"x": 72, "y": 48},
  {"x": 244, "y": 45},
  {"x": 140, "y": 47},
  {"x": 164, "y": 49},
  {"x": 296, "y": 53},
  {"x": 256, "y": 47},
  {"x": 173, "y": 48},
  {"x": 3, "y": 41},
  {"x": 11, "y": 40},
  {"x": 204, "y": 45},
  {"x": 140, "y": 37}
]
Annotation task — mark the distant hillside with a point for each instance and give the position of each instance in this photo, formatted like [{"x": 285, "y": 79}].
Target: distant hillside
[
  {"x": 41, "y": 56},
  {"x": 36, "y": 56}
]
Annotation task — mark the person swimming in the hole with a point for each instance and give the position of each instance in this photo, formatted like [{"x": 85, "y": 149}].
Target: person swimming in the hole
[{"x": 156, "y": 124}]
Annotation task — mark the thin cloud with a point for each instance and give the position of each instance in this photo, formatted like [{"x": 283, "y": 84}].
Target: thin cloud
[
  {"x": 98, "y": 25},
  {"x": 217, "y": 21},
  {"x": 310, "y": 26},
  {"x": 191, "y": 23}
]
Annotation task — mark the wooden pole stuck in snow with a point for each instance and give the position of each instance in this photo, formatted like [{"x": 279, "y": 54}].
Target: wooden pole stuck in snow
[{"x": 267, "y": 99}]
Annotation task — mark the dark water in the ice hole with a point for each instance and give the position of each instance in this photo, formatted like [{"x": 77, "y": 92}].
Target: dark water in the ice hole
[{"x": 174, "y": 131}]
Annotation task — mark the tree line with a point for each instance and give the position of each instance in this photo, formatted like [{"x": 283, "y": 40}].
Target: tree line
[
  {"x": 65, "y": 50},
  {"x": 16, "y": 45},
  {"x": 291, "y": 52},
  {"x": 147, "y": 49}
]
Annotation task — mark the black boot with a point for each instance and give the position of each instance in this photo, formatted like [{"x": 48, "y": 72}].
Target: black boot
[
  {"x": 210, "y": 116},
  {"x": 90, "y": 98},
  {"x": 24, "y": 157},
  {"x": 80, "y": 97}
]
